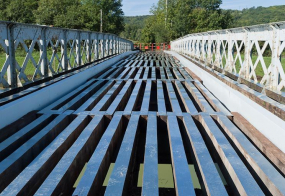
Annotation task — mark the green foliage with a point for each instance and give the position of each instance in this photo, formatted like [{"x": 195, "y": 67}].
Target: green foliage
[
  {"x": 192, "y": 16},
  {"x": 258, "y": 15},
  {"x": 82, "y": 14},
  {"x": 18, "y": 10},
  {"x": 205, "y": 20},
  {"x": 183, "y": 17},
  {"x": 148, "y": 32},
  {"x": 133, "y": 27},
  {"x": 75, "y": 14}
]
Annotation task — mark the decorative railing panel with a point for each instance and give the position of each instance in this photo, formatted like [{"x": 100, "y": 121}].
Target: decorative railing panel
[
  {"x": 32, "y": 52},
  {"x": 253, "y": 53}
]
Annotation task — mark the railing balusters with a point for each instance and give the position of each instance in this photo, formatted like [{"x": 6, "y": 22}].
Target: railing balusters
[
  {"x": 245, "y": 47},
  {"x": 47, "y": 39}
]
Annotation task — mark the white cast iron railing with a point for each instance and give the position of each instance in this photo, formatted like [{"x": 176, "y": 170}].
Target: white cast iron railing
[
  {"x": 49, "y": 51},
  {"x": 245, "y": 52}
]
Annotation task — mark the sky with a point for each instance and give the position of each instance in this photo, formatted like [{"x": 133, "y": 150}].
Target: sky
[{"x": 142, "y": 7}]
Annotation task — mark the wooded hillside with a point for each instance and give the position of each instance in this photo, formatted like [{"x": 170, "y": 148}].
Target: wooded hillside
[{"x": 134, "y": 25}]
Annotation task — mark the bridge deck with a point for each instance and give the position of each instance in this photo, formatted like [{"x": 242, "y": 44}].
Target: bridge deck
[{"x": 117, "y": 133}]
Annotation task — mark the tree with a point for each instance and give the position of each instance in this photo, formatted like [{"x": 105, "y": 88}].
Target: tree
[
  {"x": 18, "y": 10},
  {"x": 206, "y": 20},
  {"x": 3, "y": 9},
  {"x": 113, "y": 21},
  {"x": 48, "y": 10},
  {"x": 187, "y": 16},
  {"x": 82, "y": 14},
  {"x": 148, "y": 35}
]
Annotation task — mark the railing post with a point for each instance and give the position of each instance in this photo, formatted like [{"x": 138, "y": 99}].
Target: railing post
[
  {"x": 189, "y": 47},
  {"x": 111, "y": 45},
  {"x": 210, "y": 55},
  {"x": 97, "y": 46},
  {"x": 132, "y": 46},
  {"x": 119, "y": 46},
  {"x": 184, "y": 47},
  {"x": 43, "y": 53},
  {"x": 196, "y": 48},
  {"x": 229, "y": 61},
  {"x": 275, "y": 58},
  {"x": 64, "y": 60},
  {"x": 103, "y": 47},
  {"x": 114, "y": 44},
  {"x": 203, "y": 49},
  {"x": 11, "y": 71},
  {"x": 89, "y": 48},
  {"x": 218, "y": 52},
  {"x": 108, "y": 45},
  {"x": 244, "y": 72},
  {"x": 78, "y": 49}
]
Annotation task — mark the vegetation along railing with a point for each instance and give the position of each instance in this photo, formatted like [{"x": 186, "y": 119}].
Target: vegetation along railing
[
  {"x": 32, "y": 52},
  {"x": 253, "y": 53}
]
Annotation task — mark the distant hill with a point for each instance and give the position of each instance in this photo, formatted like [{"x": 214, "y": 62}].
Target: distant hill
[
  {"x": 133, "y": 27},
  {"x": 245, "y": 17},
  {"x": 258, "y": 15},
  {"x": 138, "y": 20}
]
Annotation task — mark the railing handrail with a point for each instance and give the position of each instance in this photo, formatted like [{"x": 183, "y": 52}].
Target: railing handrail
[
  {"x": 244, "y": 28},
  {"x": 59, "y": 28}
]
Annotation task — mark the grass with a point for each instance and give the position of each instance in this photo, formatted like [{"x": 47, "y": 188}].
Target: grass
[
  {"x": 258, "y": 71},
  {"x": 30, "y": 68}
]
